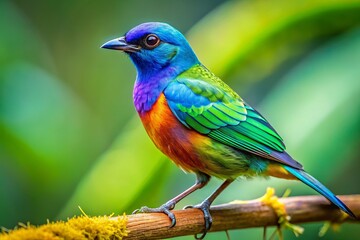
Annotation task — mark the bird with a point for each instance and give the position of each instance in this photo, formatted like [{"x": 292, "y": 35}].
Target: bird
[{"x": 199, "y": 122}]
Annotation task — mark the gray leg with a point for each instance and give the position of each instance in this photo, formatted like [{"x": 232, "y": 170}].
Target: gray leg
[
  {"x": 201, "y": 180},
  {"x": 205, "y": 206}
]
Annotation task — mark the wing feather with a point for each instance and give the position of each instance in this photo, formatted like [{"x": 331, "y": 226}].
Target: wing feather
[{"x": 209, "y": 108}]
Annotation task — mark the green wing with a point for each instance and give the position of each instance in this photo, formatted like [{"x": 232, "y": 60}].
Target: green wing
[{"x": 204, "y": 103}]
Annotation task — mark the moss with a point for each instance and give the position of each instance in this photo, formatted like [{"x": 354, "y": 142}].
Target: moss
[
  {"x": 272, "y": 200},
  {"x": 82, "y": 227}
]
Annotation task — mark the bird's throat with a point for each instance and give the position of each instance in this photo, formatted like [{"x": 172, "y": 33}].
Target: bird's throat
[
  {"x": 148, "y": 88},
  {"x": 147, "y": 92},
  {"x": 145, "y": 96}
]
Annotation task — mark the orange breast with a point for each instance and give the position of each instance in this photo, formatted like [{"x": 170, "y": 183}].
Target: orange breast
[{"x": 172, "y": 137}]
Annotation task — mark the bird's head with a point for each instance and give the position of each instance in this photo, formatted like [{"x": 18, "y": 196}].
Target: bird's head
[{"x": 155, "y": 46}]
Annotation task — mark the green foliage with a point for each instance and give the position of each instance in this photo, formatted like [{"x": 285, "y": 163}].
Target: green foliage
[
  {"x": 117, "y": 178},
  {"x": 69, "y": 135}
]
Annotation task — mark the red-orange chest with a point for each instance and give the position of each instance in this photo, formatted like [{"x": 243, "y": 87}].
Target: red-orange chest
[{"x": 174, "y": 139}]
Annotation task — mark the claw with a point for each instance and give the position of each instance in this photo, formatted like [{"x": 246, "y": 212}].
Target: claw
[
  {"x": 205, "y": 208},
  {"x": 208, "y": 219},
  {"x": 201, "y": 236},
  {"x": 136, "y": 211},
  {"x": 165, "y": 208}
]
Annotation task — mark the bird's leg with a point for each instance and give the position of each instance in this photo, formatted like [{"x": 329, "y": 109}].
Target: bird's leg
[
  {"x": 205, "y": 206},
  {"x": 201, "y": 180}
]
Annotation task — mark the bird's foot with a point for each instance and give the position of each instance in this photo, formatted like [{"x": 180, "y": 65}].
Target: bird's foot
[
  {"x": 205, "y": 208},
  {"x": 165, "y": 208}
]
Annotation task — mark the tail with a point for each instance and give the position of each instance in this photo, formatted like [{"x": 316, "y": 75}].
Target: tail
[{"x": 320, "y": 188}]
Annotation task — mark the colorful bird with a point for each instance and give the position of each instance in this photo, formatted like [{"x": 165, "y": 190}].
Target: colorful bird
[{"x": 199, "y": 122}]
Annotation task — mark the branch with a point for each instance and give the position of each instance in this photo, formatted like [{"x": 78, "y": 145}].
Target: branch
[
  {"x": 248, "y": 214},
  {"x": 236, "y": 216}
]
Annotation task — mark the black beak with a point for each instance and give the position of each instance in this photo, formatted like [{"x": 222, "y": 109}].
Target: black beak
[{"x": 120, "y": 44}]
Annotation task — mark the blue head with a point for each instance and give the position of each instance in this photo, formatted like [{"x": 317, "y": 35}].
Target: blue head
[{"x": 154, "y": 47}]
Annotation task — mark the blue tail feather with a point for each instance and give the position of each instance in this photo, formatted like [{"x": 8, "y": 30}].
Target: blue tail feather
[{"x": 319, "y": 187}]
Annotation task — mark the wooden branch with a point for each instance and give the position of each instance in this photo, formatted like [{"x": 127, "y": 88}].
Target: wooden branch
[{"x": 236, "y": 216}]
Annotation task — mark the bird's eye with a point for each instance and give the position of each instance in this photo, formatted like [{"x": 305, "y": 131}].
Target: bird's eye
[{"x": 151, "y": 41}]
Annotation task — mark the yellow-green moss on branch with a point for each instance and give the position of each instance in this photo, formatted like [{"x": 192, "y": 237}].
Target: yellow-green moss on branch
[{"x": 83, "y": 227}]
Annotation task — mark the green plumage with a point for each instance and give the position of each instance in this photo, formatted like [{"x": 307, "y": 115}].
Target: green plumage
[{"x": 214, "y": 109}]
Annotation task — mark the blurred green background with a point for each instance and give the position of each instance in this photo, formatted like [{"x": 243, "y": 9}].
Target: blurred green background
[{"x": 69, "y": 135}]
